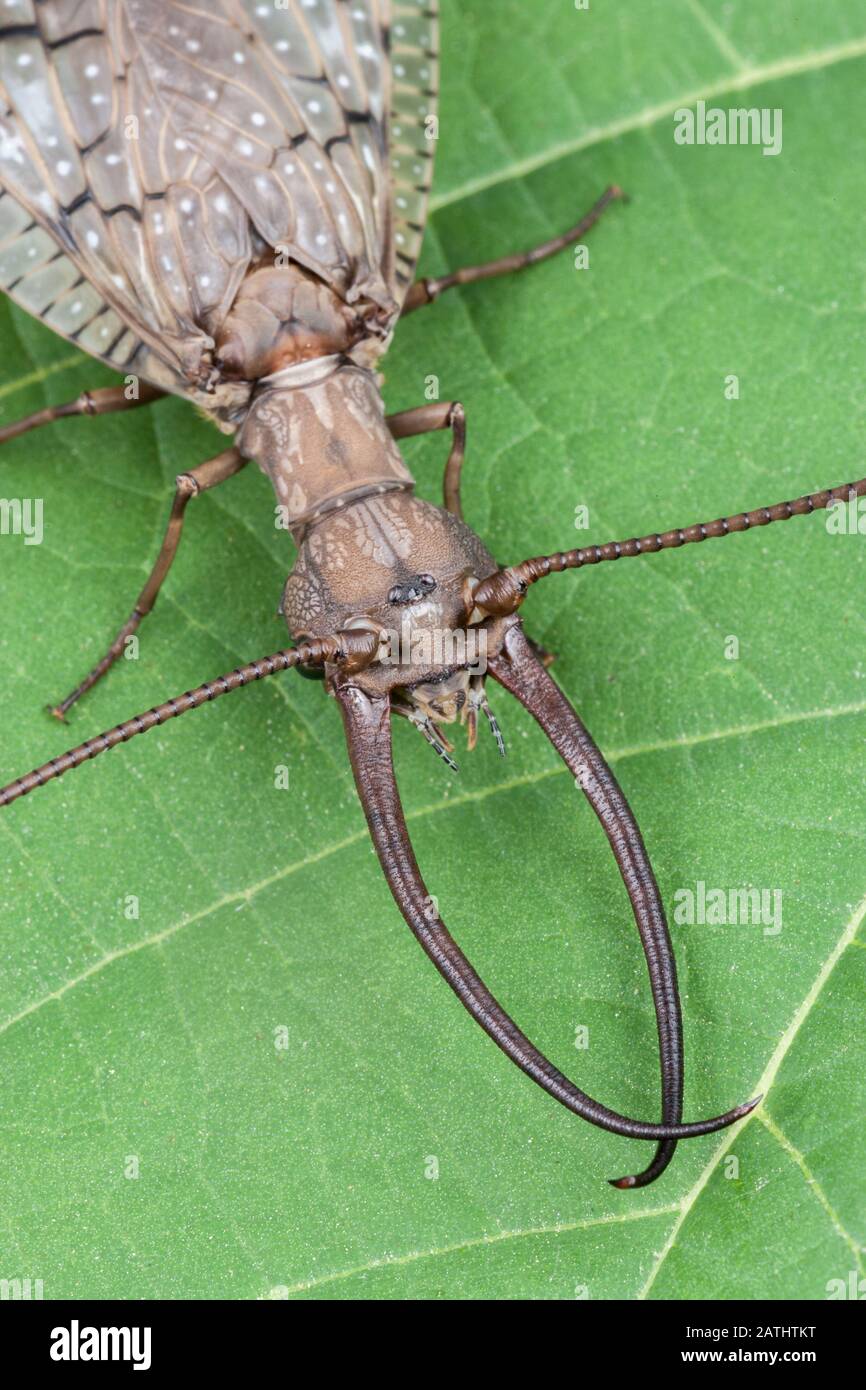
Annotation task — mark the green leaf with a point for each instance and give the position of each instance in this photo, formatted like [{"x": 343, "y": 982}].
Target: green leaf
[{"x": 302, "y": 1171}]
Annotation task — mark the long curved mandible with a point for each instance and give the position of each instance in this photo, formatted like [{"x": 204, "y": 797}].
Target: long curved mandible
[
  {"x": 368, "y": 732},
  {"x": 519, "y": 670}
]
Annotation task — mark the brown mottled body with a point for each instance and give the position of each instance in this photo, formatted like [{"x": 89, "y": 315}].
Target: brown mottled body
[
  {"x": 283, "y": 315},
  {"x": 375, "y": 563},
  {"x": 253, "y": 252},
  {"x": 318, "y": 431}
]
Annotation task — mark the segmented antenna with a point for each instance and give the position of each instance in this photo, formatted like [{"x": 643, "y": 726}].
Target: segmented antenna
[
  {"x": 344, "y": 648},
  {"x": 503, "y": 592}
]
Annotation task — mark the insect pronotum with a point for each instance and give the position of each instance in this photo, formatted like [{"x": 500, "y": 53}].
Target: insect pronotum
[{"x": 226, "y": 202}]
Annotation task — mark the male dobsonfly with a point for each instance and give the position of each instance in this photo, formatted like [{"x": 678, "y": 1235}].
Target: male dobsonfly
[{"x": 226, "y": 202}]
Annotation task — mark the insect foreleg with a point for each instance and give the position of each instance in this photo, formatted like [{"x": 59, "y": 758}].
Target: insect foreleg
[
  {"x": 104, "y": 401},
  {"x": 441, "y": 415},
  {"x": 187, "y": 485},
  {"x": 425, "y": 291}
]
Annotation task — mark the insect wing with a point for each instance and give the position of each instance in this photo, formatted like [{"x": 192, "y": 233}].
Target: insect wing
[
  {"x": 151, "y": 151},
  {"x": 317, "y": 116},
  {"x": 413, "y": 132},
  {"x": 95, "y": 190}
]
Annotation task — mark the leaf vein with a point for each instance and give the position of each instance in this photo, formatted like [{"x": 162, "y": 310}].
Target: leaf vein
[
  {"x": 763, "y": 1086},
  {"x": 753, "y": 76}
]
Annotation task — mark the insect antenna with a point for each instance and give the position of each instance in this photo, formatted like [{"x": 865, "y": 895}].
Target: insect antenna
[
  {"x": 503, "y": 592},
  {"x": 367, "y": 719},
  {"x": 347, "y": 648}
]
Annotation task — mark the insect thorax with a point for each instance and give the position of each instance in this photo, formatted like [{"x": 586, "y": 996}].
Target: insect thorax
[{"x": 318, "y": 431}]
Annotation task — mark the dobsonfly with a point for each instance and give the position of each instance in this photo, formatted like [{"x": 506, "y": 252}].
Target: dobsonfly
[{"x": 226, "y": 202}]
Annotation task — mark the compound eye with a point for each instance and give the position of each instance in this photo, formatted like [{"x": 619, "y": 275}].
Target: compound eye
[{"x": 412, "y": 590}]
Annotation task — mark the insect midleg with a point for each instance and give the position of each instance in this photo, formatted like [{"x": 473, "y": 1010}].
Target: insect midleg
[
  {"x": 104, "y": 401},
  {"x": 426, "y": 291},
  {"x": 442, "y": 415},
  {"x": 187, "y": 485}
]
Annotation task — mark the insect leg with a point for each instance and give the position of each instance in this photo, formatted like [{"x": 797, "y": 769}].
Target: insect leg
[
  {"x": 187, "y": 485},
  {"x": 425, "y": 291},
  {"x": 105, "y": 401},
  {"x": 442, "y": 415}
]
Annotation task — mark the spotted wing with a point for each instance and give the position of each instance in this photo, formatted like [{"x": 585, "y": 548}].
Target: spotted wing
[
  {"x": 111, "y": 231},
  {"x": 151, "y": 151},
  {"x": 414, "y": 67}
]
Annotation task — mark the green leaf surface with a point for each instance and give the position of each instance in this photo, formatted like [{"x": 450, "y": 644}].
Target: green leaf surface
[{"x": 303, "y": 1172}]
